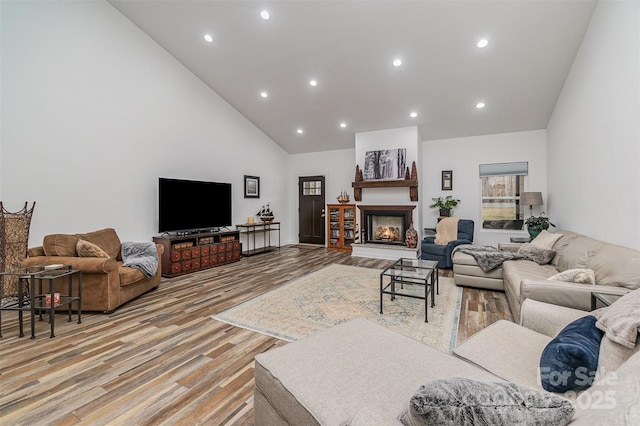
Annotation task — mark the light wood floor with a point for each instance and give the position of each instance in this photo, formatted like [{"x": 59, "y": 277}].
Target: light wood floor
[{"x": 161, "y": 359}]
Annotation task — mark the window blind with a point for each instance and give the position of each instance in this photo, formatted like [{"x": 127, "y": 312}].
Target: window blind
[{"x": 504, "y": 169}]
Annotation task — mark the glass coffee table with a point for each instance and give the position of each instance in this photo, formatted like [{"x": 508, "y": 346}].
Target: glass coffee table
[
  {"x": 414, "y": 278},
  {"x": 36, "y": 301}
]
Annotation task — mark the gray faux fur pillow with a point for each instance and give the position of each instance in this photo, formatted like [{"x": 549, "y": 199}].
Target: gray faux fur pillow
[
  {"x": 539, "y": 255},
  {"x": 460, "y": 401}
]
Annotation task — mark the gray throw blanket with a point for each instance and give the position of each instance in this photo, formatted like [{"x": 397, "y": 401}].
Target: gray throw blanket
[
  {"x": 142, "y": 256},
  {"x": 488, "y": 257}
]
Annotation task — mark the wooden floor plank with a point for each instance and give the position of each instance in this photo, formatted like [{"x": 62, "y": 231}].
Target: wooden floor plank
[{"x": 161, "y": 358}]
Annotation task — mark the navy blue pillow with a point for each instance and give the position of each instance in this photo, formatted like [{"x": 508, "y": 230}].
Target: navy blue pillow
[{"x": 569, "y": 362}]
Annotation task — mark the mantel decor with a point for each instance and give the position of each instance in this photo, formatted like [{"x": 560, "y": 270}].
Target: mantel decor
[{"x": 411, "y": 182}]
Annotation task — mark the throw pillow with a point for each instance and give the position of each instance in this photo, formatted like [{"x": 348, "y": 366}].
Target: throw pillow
[
  {"x": 539, "y": 255},
  {"x": 546, "y": 240},
  {"x": 621, "y": 320},
  {"x": 581, "y": 276},
  {"x": 460, "y": 401},
  {"x": 87, "y": 249},
  {"x": 570, "y": 360}
]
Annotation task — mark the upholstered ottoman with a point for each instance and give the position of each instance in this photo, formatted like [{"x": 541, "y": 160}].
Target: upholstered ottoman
[
  {"x": 466, "y": 272},
  {"x": 357, "y": 372}
]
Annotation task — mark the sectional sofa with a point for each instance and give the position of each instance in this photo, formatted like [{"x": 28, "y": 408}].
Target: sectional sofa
[
  {"x": 616, "y": 270},
  {"x": 359, "y": 373}
]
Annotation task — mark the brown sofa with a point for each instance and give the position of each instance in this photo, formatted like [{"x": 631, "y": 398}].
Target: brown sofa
[{"x": 106, "y": 284}]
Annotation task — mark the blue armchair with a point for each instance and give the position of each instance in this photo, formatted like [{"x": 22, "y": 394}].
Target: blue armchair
[{"x": 442, "y": 253}]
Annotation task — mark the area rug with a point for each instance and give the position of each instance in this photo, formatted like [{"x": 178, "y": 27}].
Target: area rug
[{"x": 338, "y": 293}]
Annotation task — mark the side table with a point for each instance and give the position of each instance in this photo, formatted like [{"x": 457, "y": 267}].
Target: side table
[
  {"x": 29, "y": 301},
  {"x": 605, "y": 299}
]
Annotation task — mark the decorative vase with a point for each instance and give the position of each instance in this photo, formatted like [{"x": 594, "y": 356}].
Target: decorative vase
[
  {"x": 533, "y": 232},
  {"x": 411, "y": 237}
]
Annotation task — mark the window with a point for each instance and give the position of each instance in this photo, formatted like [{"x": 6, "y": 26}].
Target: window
[
  {"x": 502, "y": 184},
  {"x": 312, "y": 187}
]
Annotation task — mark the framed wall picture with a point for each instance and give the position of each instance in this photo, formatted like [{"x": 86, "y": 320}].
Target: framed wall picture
[
  {"x": 251, "y": 186},
  {"x": 447, "y": 180}
]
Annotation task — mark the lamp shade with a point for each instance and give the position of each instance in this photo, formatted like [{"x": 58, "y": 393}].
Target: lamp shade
[{"x": 531, "y": 198}]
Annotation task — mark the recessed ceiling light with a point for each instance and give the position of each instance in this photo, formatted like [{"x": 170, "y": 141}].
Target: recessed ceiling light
[
  {"x": 264, "y": 94},
  {"x": 265, "y": 15},
  {"x": 300, "y": 131},
  {"x": 483, "y": 43},
  {"x": 397, "y": 62},
  {"x": 413, "y": 114},
  {"x": 480, "y": 105},
  {"x": 313, "y": 83},
  {"x": 208, "y": 38},
  {"x": 343, "y": 124}
]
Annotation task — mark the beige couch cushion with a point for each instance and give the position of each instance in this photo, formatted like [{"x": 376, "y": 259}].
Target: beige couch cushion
[
  {"x": 493, "y": 349},
  {"x": 327, "y": 377},
  {"x": 578, "y": 253},
  {"x": 617, "y": 266},
  {"x": 546, "y": 240},
  {"x": 560, "y": 246},
  {"x": 613, "y": 399},
  {"x": 514, "y": 271}
]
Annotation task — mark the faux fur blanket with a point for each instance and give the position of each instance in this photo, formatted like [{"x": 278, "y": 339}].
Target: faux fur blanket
[
  {"x": 488, "y": 257},
  {"x": 447, "y": 230},
  {"x": 142, "y": 256}
]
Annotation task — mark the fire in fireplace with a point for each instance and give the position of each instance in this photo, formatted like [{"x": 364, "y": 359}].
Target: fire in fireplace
[{"x": 385, "y": 224}]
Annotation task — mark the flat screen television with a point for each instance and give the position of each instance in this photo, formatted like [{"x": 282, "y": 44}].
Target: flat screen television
[{"x": 187, "y": 205}]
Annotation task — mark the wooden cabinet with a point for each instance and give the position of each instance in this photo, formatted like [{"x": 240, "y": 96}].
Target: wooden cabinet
[
  {"x": 190, "y": 253},
  {"x": 341, "y": 225}
]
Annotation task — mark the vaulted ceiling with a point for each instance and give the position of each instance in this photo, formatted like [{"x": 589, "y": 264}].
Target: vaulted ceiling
[{"x": 348, "y": 48}]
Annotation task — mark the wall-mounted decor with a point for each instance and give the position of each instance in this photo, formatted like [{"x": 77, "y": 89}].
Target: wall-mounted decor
[
  {"x": 386, "y": 164},
  {"x": 251, "y": 186},
  {"x": 447, "y": 180}
]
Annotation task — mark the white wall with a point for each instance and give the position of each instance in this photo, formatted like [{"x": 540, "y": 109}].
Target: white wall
[
  {"x": 594, "y": 133},
  {"x": 338, "y": 168},
  {"x": 94, "y": 111},
  {"x": 463, "y": 156}
]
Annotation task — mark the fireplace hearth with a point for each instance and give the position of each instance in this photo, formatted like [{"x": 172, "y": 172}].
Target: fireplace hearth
[{"x": 385, "y": 224}]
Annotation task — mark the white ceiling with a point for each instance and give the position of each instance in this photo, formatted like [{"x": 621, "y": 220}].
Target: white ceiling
[{"x": 348, "y": 46}]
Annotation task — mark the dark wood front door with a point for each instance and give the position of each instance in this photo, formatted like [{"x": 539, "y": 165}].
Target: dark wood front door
[{"x": 311, "y": 210}]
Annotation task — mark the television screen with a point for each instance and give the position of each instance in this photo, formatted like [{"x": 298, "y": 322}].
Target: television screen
[{"x": 193, "y": 205}]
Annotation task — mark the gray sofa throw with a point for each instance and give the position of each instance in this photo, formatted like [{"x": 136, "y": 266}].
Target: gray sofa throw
[
  {"x": 488, "y": 257},
  {"x": 142, "y": 256}
]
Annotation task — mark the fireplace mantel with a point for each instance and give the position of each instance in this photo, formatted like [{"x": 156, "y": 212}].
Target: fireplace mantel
[{"x": 411, "y": 183}]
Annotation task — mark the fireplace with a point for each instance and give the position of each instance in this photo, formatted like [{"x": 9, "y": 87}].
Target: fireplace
[{"x": 385, "y": 224}]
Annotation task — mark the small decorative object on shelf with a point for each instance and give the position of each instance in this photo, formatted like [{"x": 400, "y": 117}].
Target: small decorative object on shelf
[
  {"x": 266, "y": 214},
  {"x": 343, "y": 197},
  {"x": 411, "y": 237}
]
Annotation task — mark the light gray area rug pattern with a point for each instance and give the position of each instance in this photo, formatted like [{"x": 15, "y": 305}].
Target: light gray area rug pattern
[{"x": 338, "y": 293}]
